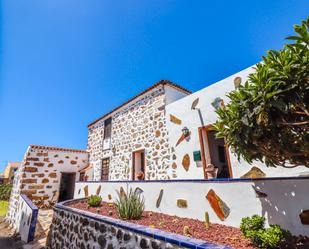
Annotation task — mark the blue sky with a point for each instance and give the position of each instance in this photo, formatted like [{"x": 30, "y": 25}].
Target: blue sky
[{"x": 63, "y": 63}]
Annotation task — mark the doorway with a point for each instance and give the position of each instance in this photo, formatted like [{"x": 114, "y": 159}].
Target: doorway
[
  {"x": 138, "y": 172},
  {"x": 67, "y": 184},
  {"x": 215, "y": 154}
]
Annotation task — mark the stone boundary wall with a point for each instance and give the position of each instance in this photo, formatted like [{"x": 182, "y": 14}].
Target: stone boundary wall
[
  {"x": 73, "y": 228},
  {"x": 283, "y": 201},
  {"x": 28, "y": 214}
]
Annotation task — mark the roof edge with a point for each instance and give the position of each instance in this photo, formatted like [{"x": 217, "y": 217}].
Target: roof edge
[
  {"x": 161, "y": 82},
  {"x": 43, "y": 147}
]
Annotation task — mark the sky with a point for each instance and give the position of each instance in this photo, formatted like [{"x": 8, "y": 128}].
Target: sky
[{"x": 64, "y": 63}]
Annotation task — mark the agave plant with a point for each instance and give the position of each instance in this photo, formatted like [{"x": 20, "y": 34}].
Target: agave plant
[{"x": 130, "y": 205}]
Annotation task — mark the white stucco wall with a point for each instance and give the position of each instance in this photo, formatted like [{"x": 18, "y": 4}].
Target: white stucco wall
[
  {"x": 26, "y": 220},
  {"x": 172, "y": 94},
  {"x": 190, "y": 118},
  {"x": 285, "y": 201}
]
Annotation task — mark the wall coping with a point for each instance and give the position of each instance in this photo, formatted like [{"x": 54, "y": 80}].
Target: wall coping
[
  {"x": 207, "y": 180},
  {"x": 34, "y": 217},
  {"x": 154, "y": 233}
]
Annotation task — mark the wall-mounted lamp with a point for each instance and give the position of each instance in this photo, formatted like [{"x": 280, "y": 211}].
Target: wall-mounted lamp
[{"x": 185, "y": 131}]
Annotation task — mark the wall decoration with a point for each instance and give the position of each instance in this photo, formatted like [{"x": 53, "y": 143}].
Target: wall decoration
[
  {"x": 174, "y": 165},
  {"x": 219, "y": 206},
  {"x": 181, "y": 203},
  {"x": 86, "y": 192},
  {"x": 304, "y": 217},
  {"x": 258, "y": 193},
  {"x": 237, "y": 82},
  {"x": 159, "y": 199},
  {"x": 183, "y": 137},
  {"x": 122, "y": 193},
  {"x": 138, "y": 191},
  {"x": 197, "y": 156},
  {"x": 194, "y": 104},
  {"x": 206, "y": 221},
  {"x": 175, "y": 120},
  {"x": 254, "y": 172},
  {"x": 98, "y": 190},
  {"x": 109, "y": 196},
  {"x": 217, "y": 103},
  {"x": 186, "y": 162}
]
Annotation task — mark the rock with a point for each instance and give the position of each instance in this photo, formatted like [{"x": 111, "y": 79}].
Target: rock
[
  {"x": 237, "y": 82},
  {"x": 159, "y": 199},
  {"x": 73, "y": 162},
  {"x": 110, "y": 212},
  {"x": 98, "y": 190},
  {"x": 175, "y": 120},
  {"x": 60, "y": 162},
  {"x": 219, "y": 206},
  {"x": 39, "y": 164},
  {"x": 186, "y": 162},
  {"x": 30, "y": 169},
  {"x": 174, "y": 165},
  {"x": 122, "y": 193},
  {"x": 254, "y": 172},
  {"x": 304, "y": 217},
  {"x": 86, "y": 192},
  {"x": 52, "y": 175},
  {"x": 181, "y": 203},
  {"x": 186, "y": 231}
]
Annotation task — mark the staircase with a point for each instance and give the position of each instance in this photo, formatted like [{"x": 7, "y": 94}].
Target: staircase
[{"x": 45, "y": 217}]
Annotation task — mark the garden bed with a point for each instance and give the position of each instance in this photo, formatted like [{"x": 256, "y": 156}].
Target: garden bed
[{"x": 216, "y": 233}]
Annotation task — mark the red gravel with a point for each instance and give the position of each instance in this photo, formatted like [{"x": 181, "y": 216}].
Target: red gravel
[{"x": 219, "y": 234}]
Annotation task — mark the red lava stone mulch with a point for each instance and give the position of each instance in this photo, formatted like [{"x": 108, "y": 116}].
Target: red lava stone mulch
[{"x": 216, "y": 233}]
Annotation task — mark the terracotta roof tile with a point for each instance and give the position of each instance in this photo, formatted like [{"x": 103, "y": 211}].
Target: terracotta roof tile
[{"x": 56, "y": 148}]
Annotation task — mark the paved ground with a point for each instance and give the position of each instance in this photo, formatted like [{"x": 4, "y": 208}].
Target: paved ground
[{"x": 9, "y": 240}]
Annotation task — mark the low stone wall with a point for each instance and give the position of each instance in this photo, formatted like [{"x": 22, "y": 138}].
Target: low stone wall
[
  {"x": 27, "y": 219},
  {"x": 283, "y": 201},
  {"x": 73, "y": 228}
]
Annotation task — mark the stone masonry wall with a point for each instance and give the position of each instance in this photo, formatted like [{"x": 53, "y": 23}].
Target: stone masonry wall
[
  {"x": 73, "y": 231},
  {"x": 139, "y": 125},
  {"x": 39, "y": 175}
]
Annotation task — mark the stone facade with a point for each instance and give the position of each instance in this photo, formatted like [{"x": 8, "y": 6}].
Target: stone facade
[
  {"x": 40, "y": 173},
  {"x": 140, "y": 124},
  {"x": 71, "y": 231}
]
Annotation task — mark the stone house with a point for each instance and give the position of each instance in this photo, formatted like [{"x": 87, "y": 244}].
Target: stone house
[
  {"x": 131, "y": 141},
  {"x": 46, "y": 175},
  {"x": 9, "y": 171}
]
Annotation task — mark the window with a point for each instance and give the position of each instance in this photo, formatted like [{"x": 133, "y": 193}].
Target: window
[
  {"x": 105, "y": 169},
  {"x": 107, "y": 128}
]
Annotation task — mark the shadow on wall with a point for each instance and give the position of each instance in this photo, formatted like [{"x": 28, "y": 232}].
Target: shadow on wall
[{"x": 283, "y": 201}]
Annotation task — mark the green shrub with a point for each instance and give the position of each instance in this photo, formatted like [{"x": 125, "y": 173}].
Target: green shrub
[
  {"x": 5, "y": 191},
  {"x": 253, "y": 228},
  {"x": 253, "y": 223},
  {"x": 94, "y": 201},
  {"x": 272, "y": 236},
  {"x": 130, "y": 205}
]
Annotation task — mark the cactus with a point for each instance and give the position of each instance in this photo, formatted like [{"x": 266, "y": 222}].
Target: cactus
[{"x": 206, "y": 220}]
